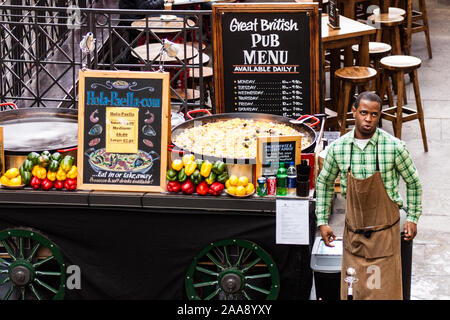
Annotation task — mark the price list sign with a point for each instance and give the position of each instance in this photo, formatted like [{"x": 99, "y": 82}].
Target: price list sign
[{"x": 266, "y": 58}]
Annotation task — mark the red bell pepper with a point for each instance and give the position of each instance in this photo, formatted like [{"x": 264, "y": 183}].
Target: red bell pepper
[
  {"x": 35, "y": 183},
  {"x": 59, "y": 184},
  {"x": 70, "y": 184},
  {"x": 216, "y": 189},
  {"x": 202, "y": 188},
  {"x": 173, "y": 186},
  {"x": 188, "y": 187},
  {"x": 46, "y": 184}
]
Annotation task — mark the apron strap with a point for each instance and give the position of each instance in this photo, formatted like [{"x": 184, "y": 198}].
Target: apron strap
[
  {"x": 368, "y": 232},
  {"x": 351, "y": 155}
]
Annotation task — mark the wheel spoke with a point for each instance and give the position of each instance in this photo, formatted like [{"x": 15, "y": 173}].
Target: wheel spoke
[
  {"x": 246, "y": 295},
  {"x": 227, "y": 258},
  {"x": 251, "y": 264},
  {"x": 212, "y": 295},
  {"x": 33, "y": 252},
  {"x": 257, "y": 289},
  {"x": 204, "y": 270},
  {"x": 205, "y": 284},
  {"x": 4, "y": 271},
  {"x": 48, "y": 273},
  {"x": 37, "y": 264},
  {"x": 8, "y": 248},
  {"x": 257, "y": 276},
  {"x": 22, "y": 293},
  {"x": 240, "y": 257},
  {"x": 5, "y": 281},
  {"x": 46, "y": 286},
  {"x": 3, "y": 261},
  {"x": 20, "y": 248},
  {"x": 10, "y": 291},
  {"x": 217, "y": 263},
  {"x": 33, "y": 289}
]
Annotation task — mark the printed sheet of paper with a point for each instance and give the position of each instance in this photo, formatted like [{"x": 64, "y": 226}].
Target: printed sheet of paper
[
  {"x": 292, "y": 222},
  {"x": 122, "y": 130}
]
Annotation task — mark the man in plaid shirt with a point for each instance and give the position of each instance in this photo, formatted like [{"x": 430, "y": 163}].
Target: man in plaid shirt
[{"x": 393, "y": 158}]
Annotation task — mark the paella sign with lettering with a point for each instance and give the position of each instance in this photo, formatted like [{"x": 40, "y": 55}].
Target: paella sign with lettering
[
  {"x": 2, "y": 153},
  {"x": 123, "y": 120}
]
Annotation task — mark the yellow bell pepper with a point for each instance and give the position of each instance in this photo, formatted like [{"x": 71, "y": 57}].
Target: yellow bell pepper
[
  {"x": 177, "y": 164},
  {"x": 61, "y": 175},
  {"x": 72, "y": 174},
  {"x": 205, "y": 170},
  {"x": 190, "y": 167},
  {"x": 39, "y": 172},
  {"x": 51, "y": 175},
  {"x": 188, "y": 158}
]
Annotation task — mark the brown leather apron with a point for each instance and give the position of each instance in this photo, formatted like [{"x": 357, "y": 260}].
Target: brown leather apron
[{"x": 371, "y": 240}]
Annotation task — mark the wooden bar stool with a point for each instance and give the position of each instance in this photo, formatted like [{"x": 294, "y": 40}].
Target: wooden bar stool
[
  {"x": 397, "y": 66},
  {"x": 392, "y": 11},
  {"x": 389, "y": 29},
  {"x": 207, "y": 75},
  {"x": 351, "y": 77},
  {"x": 417, "y": 21}
]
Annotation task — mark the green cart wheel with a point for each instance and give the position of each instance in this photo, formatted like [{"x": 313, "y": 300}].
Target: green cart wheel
[
  {"x": 31, "y": 267},
  {"x": 232, "y": 269}
]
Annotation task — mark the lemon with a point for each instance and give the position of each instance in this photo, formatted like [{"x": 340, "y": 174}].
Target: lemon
[
  {"x": 231, "y": 190},
  {"x": 12, "y": 173},
  {"x": 243, "y": 181},
  {"x": 250, "y": 188},
  {"x": 240, "y": 191},
  {"x": 227, "y": 184},
  {"x": 17, "y": 181},
  {"x": 4, "y": 180},
  {"x": 233, "y": 180}
]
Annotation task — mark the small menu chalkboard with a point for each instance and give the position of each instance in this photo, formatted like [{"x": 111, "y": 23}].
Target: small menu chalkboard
[
  {"x": 333, "y": 15},
  {"x": 266, "y": 58},
  {"x": 273, "y": 150},
  {"x": 123, "y": 120},
  {"x": 2, "y": 153}
]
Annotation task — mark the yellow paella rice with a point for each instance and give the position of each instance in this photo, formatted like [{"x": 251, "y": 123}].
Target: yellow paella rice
[{"x": 235, "y": 138}]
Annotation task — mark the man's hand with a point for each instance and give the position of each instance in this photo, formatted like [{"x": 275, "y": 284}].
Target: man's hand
[
  {"x": 327, "y": 235},
  {"x": 410, "y": 230}
]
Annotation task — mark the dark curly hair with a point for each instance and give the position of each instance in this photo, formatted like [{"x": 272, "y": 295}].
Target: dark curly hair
[{"x": 367, "y": 95}]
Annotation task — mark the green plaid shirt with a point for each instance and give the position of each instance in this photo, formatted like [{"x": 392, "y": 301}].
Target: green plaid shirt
[{"x": 394, "y": 161}]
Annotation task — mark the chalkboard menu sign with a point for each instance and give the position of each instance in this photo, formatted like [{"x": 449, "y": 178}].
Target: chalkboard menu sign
[
  {"x": 333, "y": 15},
  {"x": 123, "y": 120},
  {"x": 266, "y": 58},
  {"x": 273, "y": 150}
]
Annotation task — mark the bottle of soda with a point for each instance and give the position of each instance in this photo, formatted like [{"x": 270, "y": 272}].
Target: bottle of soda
[
  {"x": 291, "y": 179},
  {"x": 281, "y": 180}
]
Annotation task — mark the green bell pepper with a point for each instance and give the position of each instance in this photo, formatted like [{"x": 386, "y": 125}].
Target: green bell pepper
[
  {"x": 33, "y": 157},
  {"x": 222, "y": 178},
  {"x": 182, "y": 177},
  {"x": 56, "y": 156},
  {"x": 196, "y": 177},
  {"x": 211, "y": 178},
  {"x": 46, "y": 153},
  {"x": 53, "y": 165},
  {"x": 67, "y": 163},
  {"x": 27, "y": 165},
  {"x": 44, "y": 160},
  {"x": 199, "y": 163},
  {"x": 26, "y": 177},
  {"x": 219, "y": 167},
  {"x": 172, "y": 175}
]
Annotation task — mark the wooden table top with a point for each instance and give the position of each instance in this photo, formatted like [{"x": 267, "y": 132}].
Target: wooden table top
[
  {"x": 349, "y": 28},
  {"x": 154, "y": 50},
  {"x": 172, "y": 24}
]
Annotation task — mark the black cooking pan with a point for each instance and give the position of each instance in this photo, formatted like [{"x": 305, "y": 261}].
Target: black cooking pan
[
  {"x": 301, "y": 127},
  {"x": 38, "y": 129}
]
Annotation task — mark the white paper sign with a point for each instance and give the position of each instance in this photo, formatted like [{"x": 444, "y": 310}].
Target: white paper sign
[{"x": 292, "y": 222}]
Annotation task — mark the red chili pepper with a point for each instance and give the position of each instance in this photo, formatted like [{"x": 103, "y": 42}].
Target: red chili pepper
[
  {"x": 35, "y": 183},
  {"x": 70, "y": 184},
  {"x": 216, "y": 189},
  {"x": 173, "y": 186},
  {"x": 202, "y": 188},
  {"x": 188, "y": 187},
  {"x": 46, "y": 184},
  {"x": 59, "y": 184}
]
